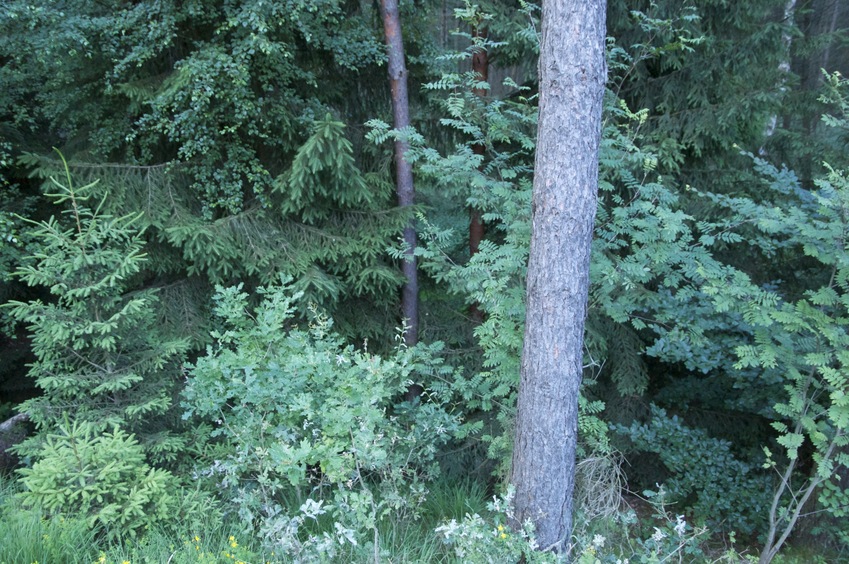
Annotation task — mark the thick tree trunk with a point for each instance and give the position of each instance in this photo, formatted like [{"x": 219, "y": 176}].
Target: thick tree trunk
[
  {"x": 572, "y": 80},
  {"x": 403, "y": 171}
]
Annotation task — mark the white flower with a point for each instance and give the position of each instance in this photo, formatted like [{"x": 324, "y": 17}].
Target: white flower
[
  {"x": 658, "y": 535},
  {"x": 680, "y": 525},
  {"x": 448, "y": 529},
  {"x": 598, "y": 541}
]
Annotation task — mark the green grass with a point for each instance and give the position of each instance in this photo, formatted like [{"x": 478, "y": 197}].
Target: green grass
[{"x": 28, "y": 537}]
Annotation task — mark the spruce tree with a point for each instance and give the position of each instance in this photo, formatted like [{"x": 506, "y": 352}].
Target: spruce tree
[
  {"x": 226, "y": 124},
  {"x": 101, "y": 355}
]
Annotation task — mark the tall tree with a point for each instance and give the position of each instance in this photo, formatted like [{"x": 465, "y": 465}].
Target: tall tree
[
  {"x": 403, "y": 169},
  {"x": 480, "y": 68},
  {"x": 572, "y": 79},
  {"x": 224, "y": 125}
]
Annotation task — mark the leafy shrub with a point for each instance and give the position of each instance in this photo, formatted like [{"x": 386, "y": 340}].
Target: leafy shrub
[
  {"x": 478, "y": 539},
  {"x": 661, "y": 537},
  {"x": 297, "y": 411},
  {"x": 488, "y": 539},
  {"x": 704, "y": 472},
  {"x": 101, "y": 477}
]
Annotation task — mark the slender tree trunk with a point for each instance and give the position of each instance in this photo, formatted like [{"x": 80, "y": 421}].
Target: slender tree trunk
[
  {"x": 788, "y": 20},
  {"x": 826, "y": 56},
  {"x": 572, "y": 79},
  {"x": 480, "y": 66},
  {"x": 403, "y": 171}
]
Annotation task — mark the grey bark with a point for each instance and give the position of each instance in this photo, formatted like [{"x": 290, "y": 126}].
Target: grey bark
[
  {"x": 405, "y": 189},
  {"x": 572, "y": 79},
  {"x": 12, "y": 431}
]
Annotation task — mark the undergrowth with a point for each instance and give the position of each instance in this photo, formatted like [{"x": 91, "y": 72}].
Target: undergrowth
[{"x": 29, "y": 537}]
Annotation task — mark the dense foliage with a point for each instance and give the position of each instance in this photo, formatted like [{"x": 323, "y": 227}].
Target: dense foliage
[
  {"x": 202, "y": 289},
  {"x": 100, "y": 353},
  {"x": 299, "y": 413}
]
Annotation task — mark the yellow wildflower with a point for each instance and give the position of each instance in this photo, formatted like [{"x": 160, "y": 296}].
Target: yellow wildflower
[
  {"x": 197, "y": 538},
  {"x": 503, "y": 535}
]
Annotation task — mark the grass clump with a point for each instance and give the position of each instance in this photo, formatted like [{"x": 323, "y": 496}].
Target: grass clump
[{"x": 29, "y": 536}]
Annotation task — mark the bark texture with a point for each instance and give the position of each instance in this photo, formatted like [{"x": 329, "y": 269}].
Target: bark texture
[
  {"x": 572, "y": 80},
  {"x": 403, "y": 171}
]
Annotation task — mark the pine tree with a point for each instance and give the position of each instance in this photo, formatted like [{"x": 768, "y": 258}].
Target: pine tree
[{"x": 564, "y": 205}]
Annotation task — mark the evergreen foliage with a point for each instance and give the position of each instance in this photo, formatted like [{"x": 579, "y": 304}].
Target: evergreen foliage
[
  {"x": 222, "y": 122},
  {"x": 220, "y": 143},
  {"x": 101, "y": 476},
  {"x": 328, "y": 227},
  {"x": 101, "y": 356},
  {"x": 709, "y": 73}
]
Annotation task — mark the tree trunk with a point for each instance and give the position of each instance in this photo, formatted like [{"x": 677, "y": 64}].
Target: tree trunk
[
  {"x": 480, "y": 67},
  {"x": 788, "y": 21},
  {"x": 403, "y": 171},
  {"x": 572, "y": 80},
  {"x": 12, "y": 431}
]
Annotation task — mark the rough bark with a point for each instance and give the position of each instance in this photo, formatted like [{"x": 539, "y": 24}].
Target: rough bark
[
  {"x": 405, "y": 189},
  {"x": 572, "y": 79}
]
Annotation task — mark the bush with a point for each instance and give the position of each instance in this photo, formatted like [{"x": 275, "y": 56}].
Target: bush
[
  {"x": 301, "y": 420},
  {"x": 720, "y": 489}
]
